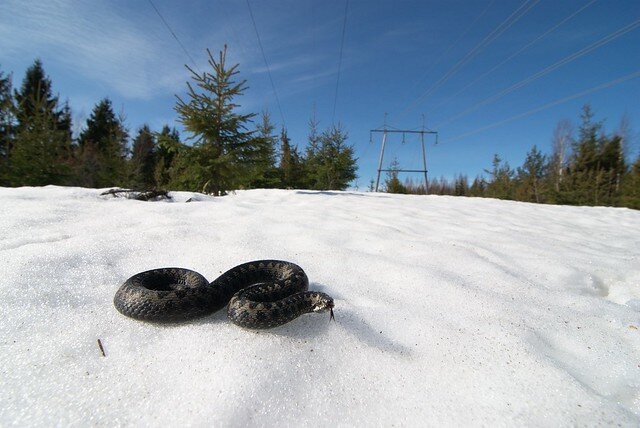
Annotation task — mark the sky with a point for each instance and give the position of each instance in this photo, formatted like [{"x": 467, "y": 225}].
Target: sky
[{"x": 490, "y": 76}]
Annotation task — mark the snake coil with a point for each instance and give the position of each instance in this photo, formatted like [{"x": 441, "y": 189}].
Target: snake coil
[{"x": 260, "y": 294}]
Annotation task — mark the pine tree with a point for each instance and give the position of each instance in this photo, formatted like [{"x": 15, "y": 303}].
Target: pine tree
[
  {"x": 224, "y": 150},
  {"x": 103, "y": 148},
  {"x": 142, "y": 163}
]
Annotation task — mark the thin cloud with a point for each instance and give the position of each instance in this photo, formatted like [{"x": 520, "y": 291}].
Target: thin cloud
[{"x": 131, "y": 55}]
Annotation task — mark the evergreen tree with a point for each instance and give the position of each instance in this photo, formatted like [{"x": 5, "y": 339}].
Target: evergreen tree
[
  {"x": 291, "y": 172},
  {"x": 7, "y": 126},
  {"x": 142, "y": 163},
  {"x": 40, "y": 152},
  {"x": 313, "y": 158},
  {"x": 103, "y": 148},
  {"x": 500, "y": 185},
  {"x": 393, "y": 184},
  {"x": 224, "y": 151},
  {"x": 461, "y": 185},
  {"x": 478, "y": 187},
  {"x": 265, "y": 174},
  {"x": 337, "y": 164},
  {"x": 581, "y": 188},
  {"x": 168, "y": 148},
  {"x": 530, "y": 177},
  {"x": 630, "y": 187},
  {"x": 613, "y": 164}
]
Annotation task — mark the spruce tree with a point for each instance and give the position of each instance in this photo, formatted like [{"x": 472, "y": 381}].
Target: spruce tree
[
  {"x": 103, "y": 148},
  {"x": 40, "y": 152},
  {"x": 168, "y": 148},
  {"x": 478, "y": 187},
  {"x": 265, "y": 172},
  {"x": 337, "y": 163},
  {"x": 7, "y": 126},
  {"x": 291, "y": 172},
  {"x": 530, "y": 177},
  {"x": 630, "y": 187},
  {"x": 501, "y": 183},
  {"x": 461, "y": 185},
  {"x": 142, "y": 163},
  {"x": 584, "y": 166},
  {"x": 313, "y": 157},
  {"x": 393, "y": 184},
  {"x": 224, "y": 149}
]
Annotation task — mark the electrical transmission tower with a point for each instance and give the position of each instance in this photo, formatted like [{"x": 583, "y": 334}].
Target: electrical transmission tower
[{"x": 384, "y": 131}]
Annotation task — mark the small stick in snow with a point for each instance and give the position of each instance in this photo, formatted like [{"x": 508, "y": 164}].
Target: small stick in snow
[{"x": 101, "y": 348}]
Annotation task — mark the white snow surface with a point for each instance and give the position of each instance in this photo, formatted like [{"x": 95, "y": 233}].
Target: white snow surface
[{"x": 449, "y": 311}]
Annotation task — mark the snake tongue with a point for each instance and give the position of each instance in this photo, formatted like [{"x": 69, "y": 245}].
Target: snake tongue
[{"x": 331, "y": 317}]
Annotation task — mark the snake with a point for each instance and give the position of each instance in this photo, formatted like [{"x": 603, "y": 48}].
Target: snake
[{"x": 259, "y": 294}]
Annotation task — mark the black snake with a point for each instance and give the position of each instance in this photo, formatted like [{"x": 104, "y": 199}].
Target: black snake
[{"x": 261, "y": 294}]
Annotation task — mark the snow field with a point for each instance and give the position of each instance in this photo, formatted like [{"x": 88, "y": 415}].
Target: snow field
[{"x": 449, "y": 311}]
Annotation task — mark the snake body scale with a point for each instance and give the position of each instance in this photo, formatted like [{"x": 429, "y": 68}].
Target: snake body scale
[{"x": 259, "y": 294}]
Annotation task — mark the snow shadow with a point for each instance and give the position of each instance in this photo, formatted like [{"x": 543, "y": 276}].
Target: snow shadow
[
  {"x": 330, "y": 193},
  {"x": 363, "y": 332}
]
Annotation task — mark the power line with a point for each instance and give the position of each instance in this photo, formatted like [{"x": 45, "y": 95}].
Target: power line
[
  {"x": 266, "y": 63},
  {"x": 548, "y": 105},
  {"x": 522, "y": 49},
  {"x": 504, "y": 26},
  {"x": 344, "y": 30},
  {"x": 166, "y": 24},
  {"x": 605, "y": 40},
  {"x": 454, "y": 44}
]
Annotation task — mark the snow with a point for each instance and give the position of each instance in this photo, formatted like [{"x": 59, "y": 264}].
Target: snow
[{"x": 449, "y": 311}]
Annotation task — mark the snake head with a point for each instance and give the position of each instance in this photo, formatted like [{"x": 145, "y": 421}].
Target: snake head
[{"x": 322, "y": 302}]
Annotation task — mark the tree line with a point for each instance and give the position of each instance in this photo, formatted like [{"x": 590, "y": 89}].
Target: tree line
[
  {"x": 225, "y": 150},
  {"x": 587, "y": 168}
]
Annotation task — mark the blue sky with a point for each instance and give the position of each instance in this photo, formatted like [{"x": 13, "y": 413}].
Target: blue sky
[{"x": 404, "y": 58}]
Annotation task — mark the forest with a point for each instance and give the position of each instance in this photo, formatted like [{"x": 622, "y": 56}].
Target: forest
[
  {"x": 226, "y": 150},
  {"x": 590, "y": 167}
]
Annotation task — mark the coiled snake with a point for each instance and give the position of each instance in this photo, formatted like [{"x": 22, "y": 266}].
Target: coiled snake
[{"x": 261, "y": 294}]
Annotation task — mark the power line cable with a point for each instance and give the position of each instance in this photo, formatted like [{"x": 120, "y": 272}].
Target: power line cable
[
  {"x": 266, "y": 63},
  {"x": 166, "y": 24},
  {"x": 548, "y": 105},
  {"x": 454, "y": 44},
  {"x": 605, "y": 40},
  {"x": 522, "y": 49},
  {"x": 344, "y": 30},
  {"x": 504, "y": 26}
]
